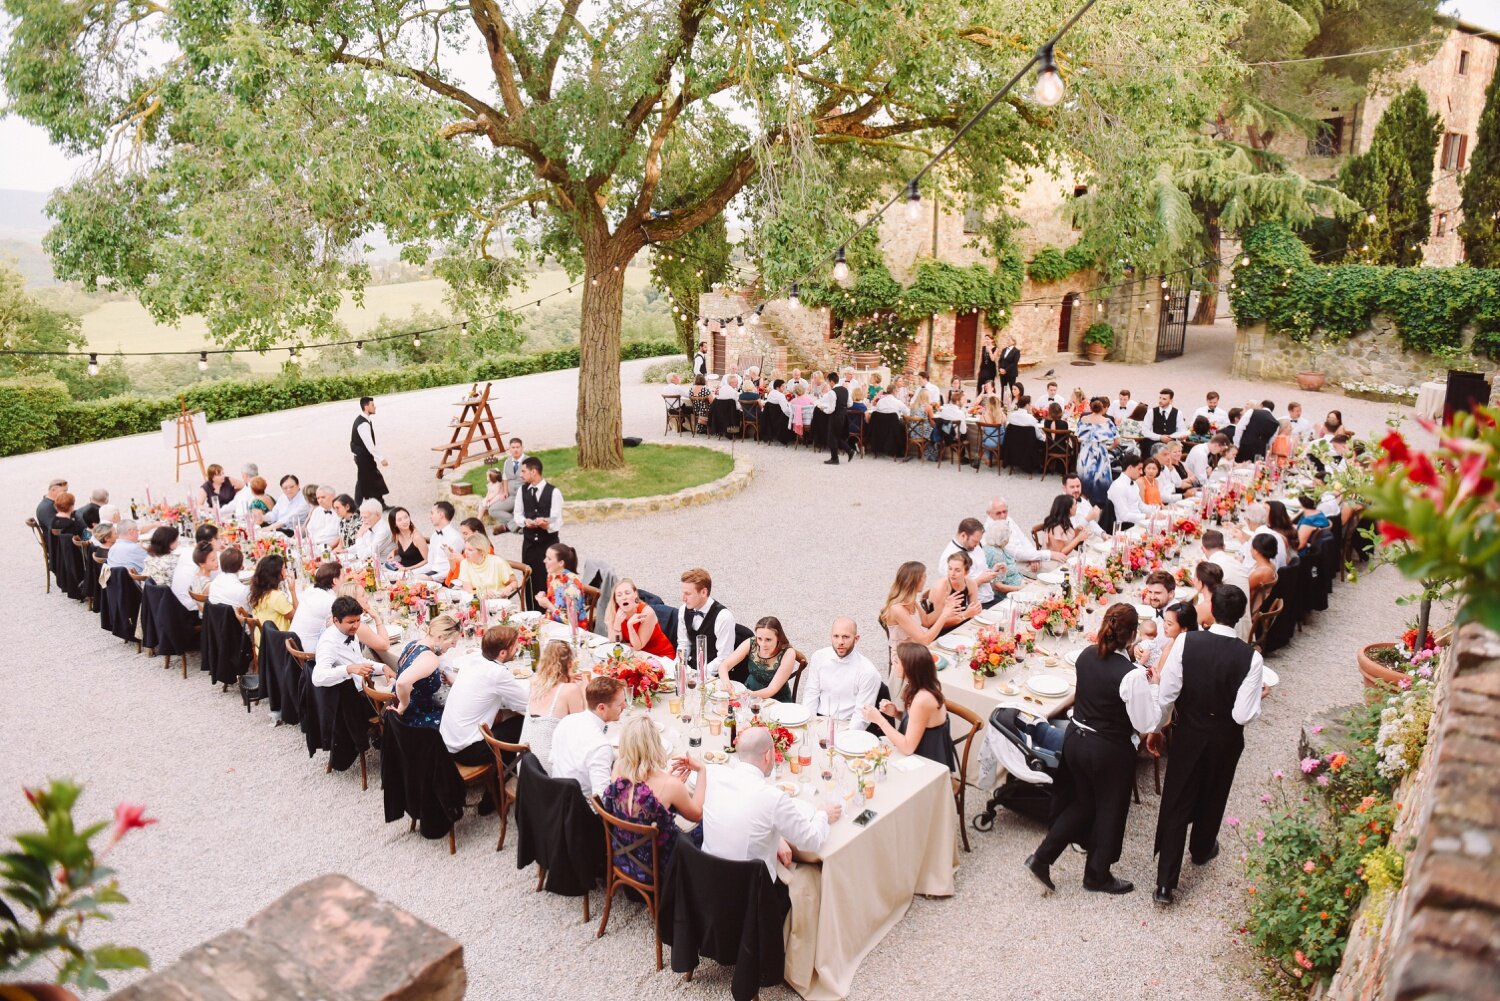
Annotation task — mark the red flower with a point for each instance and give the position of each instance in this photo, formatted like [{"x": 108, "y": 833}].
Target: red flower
[
  {"x": 1395, "y": 448},
  {"x": 1472, "y": 480},
  {"x": 1421, "y": 471},
  {"x": 129, "y": 816},
  {"x": 1390, "y": 533}
]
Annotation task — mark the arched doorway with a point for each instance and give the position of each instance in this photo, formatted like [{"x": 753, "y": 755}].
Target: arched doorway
[{"x": 1065, "y": 322}]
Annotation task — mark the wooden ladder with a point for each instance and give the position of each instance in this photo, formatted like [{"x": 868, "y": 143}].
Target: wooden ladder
[{"x": 476, "y": 434}]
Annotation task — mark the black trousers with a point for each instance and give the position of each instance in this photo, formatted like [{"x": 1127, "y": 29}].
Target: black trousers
[
  {"x": 533, "y": 551},
  {"x": 838, "y": 435},
  {"x": 1200, "y": 773},
  {"x": 479, "y": 753},
  {"x": 368, "y": 481},
  {"x": 1102, "y": 773}
]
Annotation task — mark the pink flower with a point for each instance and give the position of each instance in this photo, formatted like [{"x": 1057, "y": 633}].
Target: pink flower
[
  {"x": 129, "y": 816},
  {"x": 1322, "y": 780},
  {"x": 1310, "y": 765},
  {"x": 1265, "y": 797},
  {"x": 1278, "y": 774},
  {"x": 1260, "y": 837},
  {"x": 1231, "y": 822},
  {"x": 1318, "y": 728},
  {"x": 1308, "y": 866}
]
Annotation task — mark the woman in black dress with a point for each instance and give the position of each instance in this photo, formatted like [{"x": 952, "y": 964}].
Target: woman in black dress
[
  {"x": 923, "y": 729},
  {"x": 1113, "y": 702},
  {"x": 988, "y": 359},
  {"x": 411, "y": 546}
]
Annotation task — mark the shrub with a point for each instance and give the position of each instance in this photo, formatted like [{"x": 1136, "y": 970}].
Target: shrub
[
  {"x": 29, "y": 409},
  {"x": 1100, "y": 333}
]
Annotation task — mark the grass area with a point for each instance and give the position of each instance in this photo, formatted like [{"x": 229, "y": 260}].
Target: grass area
[
  {"x": 126, "y": 326},
  {"x": 649, "y": 470}
]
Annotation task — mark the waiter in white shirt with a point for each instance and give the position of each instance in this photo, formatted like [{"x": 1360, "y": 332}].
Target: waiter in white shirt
[
  {"x": 1218, "y": 417},
  {"x": 700, "y": 360},
  {"x": 701, "y": 617},
  {"x": 445, "y": 544},
  {"x": 580, "y": 751},
  {"x": 1214, "y": 680},
  {"x": 538, "y": 517},
  {"x": 339, "y": 656},
  {"x": 840, "y": 680},
  {"x": 369, "y": 482},
  {"x": 999, "y": 525},
  {"x": 746, "y": 818}
]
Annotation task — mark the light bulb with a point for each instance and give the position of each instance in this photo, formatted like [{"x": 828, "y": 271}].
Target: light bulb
[
  {"x": 93, "y": 364},
  {"x": 359, "y": 349},
  {"x": 1245, "y": 260},
  {"x": 913, "y": 202},
  {"x": 840, "y": 266},
  {"x": 203, "y": 361},
  {"x": 754, "y": 318},
  {"x": 416, "y": 340},
  {"x": 1049, "y": 87},
  {"x": 796, "y": 297},
  {"x": 1370, "y": 218},
  {"x": 293, "y": 356}
]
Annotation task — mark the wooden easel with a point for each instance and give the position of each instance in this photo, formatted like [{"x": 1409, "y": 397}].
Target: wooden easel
[
  {"x": 188, "y": 449},
  {"x": 476, "y": 434}
]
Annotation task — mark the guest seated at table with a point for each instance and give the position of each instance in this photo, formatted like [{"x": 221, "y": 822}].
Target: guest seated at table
[
  {"x": 1200, "y": 431},
  {"x": 1085, "y": 515},
  {"x": 875, "y": 389},
  {"x": 483, "y": 687},
  {"x": 580, "y": 751},
  {"x": 729, "y": 388},
  {"x": 890, "y": 403},
  {"x": 257, "y": 500},
  {"x": 700, "y": 399},
  {"x": 1262, "y": 579},
  {"x": 323, "y": 522},
  {"x": 348, "y": 515},
  {"x": 800, "y": 407},
  {"x": 372, "y": 634},
  {"x": 291, "y": 510},
  {"x": 161, "y": 554},
  {"x": 631, "y": 621},
  {"x": 1022, "y": 417},
  {"x": 1131, "y": 426},
  {"x": 339, "y": 656},
  {"x": 673, "y": 392},
  {"x": 417, "y": 677},
  {"x": 1279, "y": 520},
  {"x": 266, "y": 600},
  {"x": 749, "y": 392},
  {"x": 1202, "y": 457},
  {"x": 372, "y": 541},
  {"x": 770, "y": 662},
  {"x": 88, "y": 513},
  {"x": 746, "y": 818},
  {"x": 1058, "y": 533},
  {"x": 410, "y": 544},
  {"x": 561, "y": 562},
  {"x": 1078, "y": 404},
  {"x": 907, "y": 617},
  {"x": 1254, "y": 517},
  {"x": 645, "y": 791},
  {"x": 1002, "y": 528},
  {"x": 1177, "y": 618},
  {"x": 314, "y": 605},
  {"x": 777, "y": 398},
  {"x": 1153, "y": 492},
  {"x": 1054, "y": 421},
  {"x": 1120, "y": 411},
  {"x": 1207, "y": 575},
  {"x": 1017, "y": 394},
  {"x": 206, "y": 567},
  {"x": 923, "y": 713},
  {"x": 1311, "y": 523},
  {"x": 126, "y": 550},
  {"x": 103, "y": 537},
  {"x": 839, "y": 679},
  {"x": 1282, "y": 444},
  {"x": 958, "y": 589},
  {"x": 484, "y": 574},
  {"x": 226, "y": 587},
  {"x": 1175, "y": 476},
  {"x": 554, "y": 694},
  {"x": 1126, "y": 497}
]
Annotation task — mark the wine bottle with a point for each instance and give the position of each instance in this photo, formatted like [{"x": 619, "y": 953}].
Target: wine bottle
[{"x": 733, "y": 727}]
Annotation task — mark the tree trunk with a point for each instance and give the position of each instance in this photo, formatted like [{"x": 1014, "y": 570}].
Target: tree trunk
[
  {"x": 599, "y": 421},
  {"x": 1208, "y": 302}
]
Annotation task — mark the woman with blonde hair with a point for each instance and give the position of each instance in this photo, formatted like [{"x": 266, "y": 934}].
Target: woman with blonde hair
[
  {"x": 907, "y": 619},
  {"x": 631, "y": 621},
  {"x": 417, "y": 676},
  {"x": 645, "y": 791},
  {"x": 554, "y": 694}
]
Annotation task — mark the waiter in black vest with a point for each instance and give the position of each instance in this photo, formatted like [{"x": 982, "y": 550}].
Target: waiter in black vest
[
  {"x": 1257, "y": 428},
  {"x": 1214, "y": 679},
  {"x": 538, "y": 517},
  {"x": 368, "y": 459},
  {"x": 1166, "y": 419},
  {"x": 700, "y": 360},
  {"x": 702, "y": 617},
  {"x": 836, "y": 405}
]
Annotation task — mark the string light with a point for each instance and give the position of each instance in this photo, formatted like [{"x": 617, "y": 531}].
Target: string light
[
  {"x": 1245, "y": 260},
  {"x": 1370, "y": 218},
  {"x": 796, "y": 297},
  {"x": 1049, "y": 88},
  {"x": 755, "y": 316},
  {"x": 913, "y": 201},
  {"x": 416, "y": 340},
  {"x": 739, "y": 321},
  {"x": 203, "y": 361},
  {"x": 359, "y": 349},
  {"x": 93, "y": 364},
  {"x": 293, "y": 357},
  {"x": 840, "y": 266}
]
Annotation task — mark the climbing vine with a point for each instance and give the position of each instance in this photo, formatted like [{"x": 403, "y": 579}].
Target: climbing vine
[
  {"x": 1326, "y": 305},
  {"x": 1053, "y": 265}
]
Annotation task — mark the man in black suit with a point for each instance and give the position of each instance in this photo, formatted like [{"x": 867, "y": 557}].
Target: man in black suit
[
  {"x": 1259, "y": 427},
  {"x": 89, "y": 513},
  {"x": 838, "y": 420}
]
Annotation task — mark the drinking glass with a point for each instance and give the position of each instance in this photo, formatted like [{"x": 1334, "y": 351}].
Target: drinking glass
[
  {"x": 674, "y": 706},
  {"x": 695, "y": 736},
  {"x": 715, "y": 724}
]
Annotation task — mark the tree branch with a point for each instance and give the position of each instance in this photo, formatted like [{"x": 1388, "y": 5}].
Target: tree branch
[
  {"x": 683, "y": 223},
  {"x": 555, "y": 46},
  {"x": 496, "y": 32}
]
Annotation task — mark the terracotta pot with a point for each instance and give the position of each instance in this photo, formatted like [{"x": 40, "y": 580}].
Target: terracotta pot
[
  {"x": 1376, "y": 676},
  {"x": 1311, "y": 381},
  {"x": 462, "y": 489},
  {"x": 1095, "y": 352},
  {"x": 35, "y": 992}
]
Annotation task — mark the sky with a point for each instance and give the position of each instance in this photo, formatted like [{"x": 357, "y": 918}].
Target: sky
[{"x": 30, "y": 163}]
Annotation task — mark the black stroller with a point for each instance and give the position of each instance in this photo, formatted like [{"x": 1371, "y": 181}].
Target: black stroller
[{"x": 1029, "y": 799}]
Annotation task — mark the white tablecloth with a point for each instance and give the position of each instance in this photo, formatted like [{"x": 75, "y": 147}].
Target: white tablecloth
[{"x": 1430, "y": 399}]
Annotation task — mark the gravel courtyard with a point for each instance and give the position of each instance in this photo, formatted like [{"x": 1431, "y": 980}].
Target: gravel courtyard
[{"x": 244, "y": 814}]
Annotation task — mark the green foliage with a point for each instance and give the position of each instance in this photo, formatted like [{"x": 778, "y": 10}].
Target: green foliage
[
  {"x": 54, "y": 884},
  {"x": 1100, "y": 333},
  {"x": 650, "y": 470},
  {"x": 687, "y": 268},
  {"x": 27, "y": 324},
  {"x": 28, "y": 413},
  {"x": 1391, "y": 181},
  {"x": 1325, "y": 305},
  {"x": 1480, "y": 229},
  {"x": 1053, "y": 265}
]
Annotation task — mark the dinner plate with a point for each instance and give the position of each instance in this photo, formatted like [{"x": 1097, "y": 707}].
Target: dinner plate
[
  {"x": 786, "y": 713},
  {"x": 951, "y": 643},
  {"x": 739, "y": 689},
  {"x": 1184, "y": 592},
  {"x": 392, "y": 630},
  {"x": 943, "y": 663},
  {"x": 1050, "y": 577},
  {"x": 527, "y": 618},
  {"x": 1099, "y": 545},
  {"x": 1049, "y": 686},
  {"x": 1072, "y": 657},
  {"x": 855, "y": 742},
  {"x": 1269, "y": 678},
  {"x": 715, "y": 757},
  {"x": 1144, "y": 611}
]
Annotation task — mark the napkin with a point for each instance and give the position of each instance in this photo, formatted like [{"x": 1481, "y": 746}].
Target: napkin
[{"x": 907, "y": 764}]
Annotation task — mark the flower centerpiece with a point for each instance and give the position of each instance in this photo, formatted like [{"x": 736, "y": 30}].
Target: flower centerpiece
[
  {"x": 271, "y": 542},
  {"x": 1102, "y": 582},
  {"x": 642, "y": 676},
  {"x": 526, "y": 636},
  {"x": 878, "y": 756},
  {"x": 1055, "y": 615},
  {"x": 366, "y": 576},
  {"x": 782, "y": 739},
  {"x": 1187, "y": 528},
  {"x": 409, "y": 594},
  {"x": 993, "y": 652}
]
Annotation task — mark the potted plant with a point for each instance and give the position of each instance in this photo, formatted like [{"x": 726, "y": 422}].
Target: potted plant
[
  {"x": 1098, "y": 340},
  {"x": 51, "y": 883},
  {"x": 1313, "y": 379}
]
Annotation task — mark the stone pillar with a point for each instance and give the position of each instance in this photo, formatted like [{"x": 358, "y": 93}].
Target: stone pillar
[
  {"x": 1136, "y": 335},
  {"x": 1249, "y": 350}
]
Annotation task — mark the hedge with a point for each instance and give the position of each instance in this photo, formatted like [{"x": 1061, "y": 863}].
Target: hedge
[{"x": 38, "y": 414}]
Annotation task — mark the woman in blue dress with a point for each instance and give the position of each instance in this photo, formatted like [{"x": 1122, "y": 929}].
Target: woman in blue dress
[
  {"x": 644, "y": 791},
  {"x": 417, "y": 676},
  {"x": 1095, "y": 435}
]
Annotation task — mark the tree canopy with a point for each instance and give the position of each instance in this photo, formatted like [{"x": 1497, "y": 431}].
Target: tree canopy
[
  {"x": 1480, "y": 228},
  {"x": 1391, "y": 181}
]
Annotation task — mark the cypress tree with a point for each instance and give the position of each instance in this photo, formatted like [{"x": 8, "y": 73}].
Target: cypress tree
[
  {"x": 1391, "y": 181},
  {"x": 1480, "y": 230}
]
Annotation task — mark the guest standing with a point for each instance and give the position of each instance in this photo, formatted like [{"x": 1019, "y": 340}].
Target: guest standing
[
  {"x": 988, "y": 364},
  {"x": 701, "y": 617},
  {"x": 538, "y": 519},
  {"x": 1010, "y": 366},
  {"x": 1254, "y": 432},
  {"x": 368, "y": 459},
  {"x": 836, "y": 406},
  {"x": 1095, "y": 436}
]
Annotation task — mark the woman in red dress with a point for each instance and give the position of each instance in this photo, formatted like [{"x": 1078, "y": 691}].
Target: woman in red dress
[{"x": 633, "y": 622}]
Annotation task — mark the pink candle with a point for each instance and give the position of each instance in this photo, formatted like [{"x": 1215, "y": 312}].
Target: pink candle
[
  {"x": 1013, "y": 616},
  {"x": 148, "y": 498}
]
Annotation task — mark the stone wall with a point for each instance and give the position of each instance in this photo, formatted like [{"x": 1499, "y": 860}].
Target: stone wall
[{"x": 1372, "y": 356}]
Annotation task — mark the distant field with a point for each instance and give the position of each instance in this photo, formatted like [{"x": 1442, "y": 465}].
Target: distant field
[{"x": 126, "y": 326}]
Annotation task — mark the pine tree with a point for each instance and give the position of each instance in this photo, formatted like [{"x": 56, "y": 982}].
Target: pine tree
[
  {"x": 1480, "y": 229},
  {"x": 1391, "y": 181}
]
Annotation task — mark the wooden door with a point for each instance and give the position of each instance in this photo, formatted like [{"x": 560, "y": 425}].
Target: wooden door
[
  {"x": 718, "y": 352},
  {"x": 1065, "y": 322},
  {"x": 965, "y": 345}
]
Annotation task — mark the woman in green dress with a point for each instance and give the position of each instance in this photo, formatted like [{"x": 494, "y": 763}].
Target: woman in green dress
[{"x": 770, "y": 661}]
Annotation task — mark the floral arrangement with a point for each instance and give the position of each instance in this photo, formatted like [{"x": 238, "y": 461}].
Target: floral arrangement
[
  {"x": 1188, "y": 528},
  {"x": 1025, "y": 641},
  {"x": 525, "y": 635},
  {"x": 1101, "y": 582},
  {"x": 171, "y": 514},
  {"x": 1381, "y": 389},
  {"x": 1184, "y": 576},
  {"x": 53, "y": 883},
  {"x": 1054, "y": 615},
  {"x": 1404, "y": 723},
  {"x": 642, "y": 676},
  {"x": 1040, "y": 413},
  {"x": 268, "y": 543},
  {"x": 993, "y": 652},
  {"x": 404, "y": 594},
  {"x": 366, "y": 576},
  {"x": 878, "y": 756},
  {"x": 783, "y": 739}
]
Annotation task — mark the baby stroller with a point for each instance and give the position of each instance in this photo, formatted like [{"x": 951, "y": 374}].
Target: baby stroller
[{"x": 1030, "y": 750}]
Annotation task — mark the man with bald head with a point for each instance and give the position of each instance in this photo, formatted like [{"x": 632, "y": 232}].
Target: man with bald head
[
  {"x": 998, "y": 524},
  {"x": 840, "y": 680}
]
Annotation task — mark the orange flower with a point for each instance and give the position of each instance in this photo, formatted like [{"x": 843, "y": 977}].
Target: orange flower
[
  {"x": 1252, "y": 891},
  {"x": 1322, "y": 915}
]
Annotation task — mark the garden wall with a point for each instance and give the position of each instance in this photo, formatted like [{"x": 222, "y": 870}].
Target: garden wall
[{"x": 1373, "y": 357}]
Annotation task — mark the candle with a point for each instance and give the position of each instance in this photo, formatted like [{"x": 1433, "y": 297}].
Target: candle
[
  {"x": 216, "y": 510},
  {"x": 148, "y": 498},
  {"x": 1013, "y": 616}
]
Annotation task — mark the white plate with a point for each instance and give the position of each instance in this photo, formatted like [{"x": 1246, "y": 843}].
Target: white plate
[
  {"x": 1144, "y": 611},
  {"x": 855, "y": 742},
  {"x": 739, "y": 689},
  {"x": 1269, "y": 678},
  {"x": 1049, "y": 686},
  {"x": 1072, "y": 657},
  {"x": 785, "y": 713},
  {"x": 528, "y": 618},
  {"x": 951, "y": 642},
  {"x": 1099, "y": 545},
  {"x": 392, "y": 630},
  {"x": 1050, "y": 577},
  {"x": 1184, "y": 592}
]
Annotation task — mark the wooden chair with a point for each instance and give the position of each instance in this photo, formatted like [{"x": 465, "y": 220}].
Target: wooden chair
[
  {"x": 590, "y": 604},
  {"x": 252, "y": 683},
  {"x": 379, "y": 703},
  {"x": 41, "y": 540},
  {"x": 140, "y": 581},
  {"x": 914, "y": 441},
  {"x": 795, "y": 681},
  {"x": 91, "y": 589},
  {"x": 990, "y": 452},
  {"x": 1058, "y": 449},
  {"x": 472, "y": 775},
  {"x": 961, "y": 780},
  {"x": 750, "y": 418},
  {"x": 857, "y": 435},
  {"x": 958, "y": 448},
  {"x": 505, "y": 777},
  {"x": 677, "y": 416},
  {"x": 1347, "y": 543},
  {"x": 1261, "y": 623},
  {"x": 631, "y": 837},
  {"x": 524, "y": 595}
]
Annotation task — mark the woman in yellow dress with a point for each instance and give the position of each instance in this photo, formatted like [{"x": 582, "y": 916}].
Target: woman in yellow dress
[
  {"x": 268, "y": 601},
  {"x": 484, "y": 573}
]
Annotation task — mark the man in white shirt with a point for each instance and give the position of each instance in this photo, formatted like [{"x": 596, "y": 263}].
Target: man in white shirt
[
  {"x": 1164, "y": 420},
  {"x": 1085, "y": 515},
  {"x": 339, "y": 656},
  {"x": 776, "y": 397},
  {"x": 315, "y": 606},
  {"x": 700, "y": 359},
  {"x": 323, "y": 521},
  {"x": 127, "y": 550},
  {"x": 1214, "y": 680},
  {"x": 444, "y": 545},
  {"x": 226, "y": 588},
  {"x": 237, "y": 507},
  {"x": 998, "y": 524},
  {"x": 934, "y": 394},
  {"x": 969, "y": 539},
  {"x": 1302, "y": 428},
  {"x": 1126, "y": 496},
  {"x": 1197, "y": 461},
  {"x": 538, "y": 517},
  {"x": 188, "y": 568},
  {"x": 1160, "y": 591},
  {"x": 1022, "y": 417},
  {"x": 580, "y": 751},
  {"x": 510, "y": 481},
  {"x": 483, "y": 685},
  {"x": 746, "y": 818},
  {"x": 374, "y": 544},
  {"x": 674, "y": 391},
  {"x": 840, "y": 680},
  {"x": 1218, "y": 417},
  {"x": 891, "y": 403},
  {"x": 729, "y": 389},
  {"x": 701, "y": 616},
  {"x": 1052, "y": 397},
  {"x": 291, "y": 510},
  {"x": 1255, "y": 520},
  {"x": 1236, "y": 573},
  {"x": 1121, "y": 410}
]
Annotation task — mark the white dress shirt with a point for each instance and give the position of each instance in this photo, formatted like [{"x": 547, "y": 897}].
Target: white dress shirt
[
  {"x": 1174, "y": 430},
  {"x": 727, "y": 392},
  {"x": 183, "y": 576},
  {"x": 935, "y": 396},
  {"x": 1126, "y": 497},
  {"x": 323, "y": 527},
  {"x": 1196, "y": 462},
  {"x": 1235, "y": 570},
  {"x": 1120, "y": 411},
  {"x": 1328, "y": 505},
  {"x": 226, "y": 589},
  {"x": 978, "y": 563},
  {"x": 1024, "y": 419},
  {"x": 723, "y": 635},
  {"x": 1246, "y": 700},
  {"x": 776, "y": 398},
  {"x": 745, "y": 817},
  {"x": 839, "y": 686},
  {"x": 314, "y": 608},
  {"x": 1020, "y": 545},
  {"x": 481, "y": 688},
  {"x": 1302, "y": 428},
  {"x": 1239, "y": 427},
  {"x": 890, "y": 403},
  {"x": 1281, "y": 546},
  {"x": 1142, "y": 703},
  {"x": 335, "y": 654},
  {"x": 1081, "y": 518},
  {"x": 1218, "y": 417},
  {"x": 367, "y": 435},
  {"x": 554, "y": 516},
  {"x": 581, "y": 752},
  {"x": 445, "y": 546},
  {"x": 288, "y": 512}
]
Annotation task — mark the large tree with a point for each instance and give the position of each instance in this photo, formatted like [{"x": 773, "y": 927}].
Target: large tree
[
  {"x": 1480, "y": 228},
  {"x": 247, "y": 147},
  {"x": 1391, "y": 181}
]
